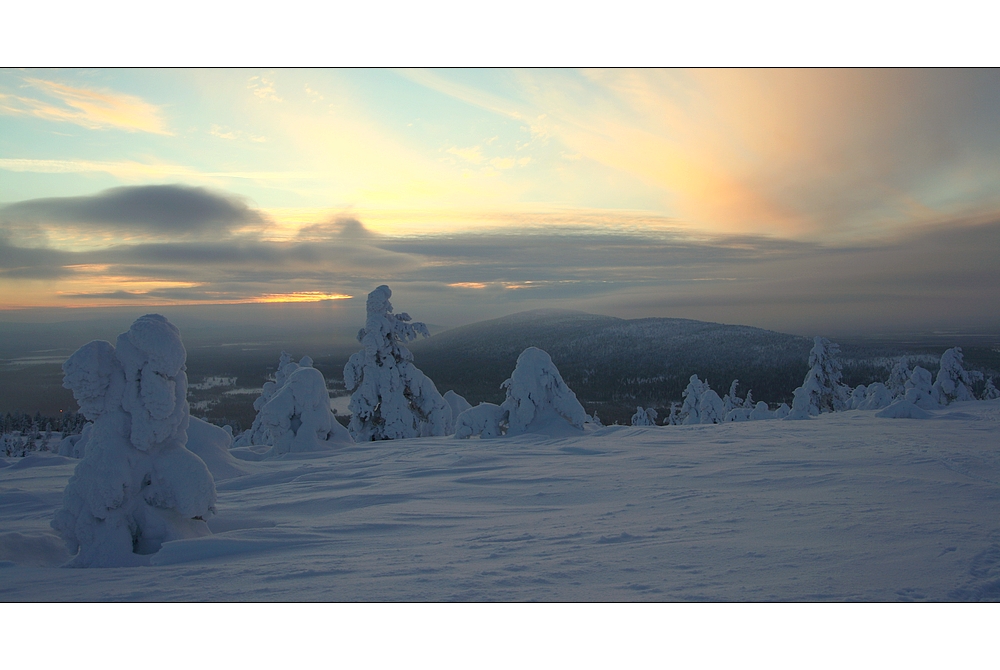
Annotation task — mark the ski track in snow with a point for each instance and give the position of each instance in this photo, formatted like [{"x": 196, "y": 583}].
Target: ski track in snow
[{"x": 842, "y": 507}]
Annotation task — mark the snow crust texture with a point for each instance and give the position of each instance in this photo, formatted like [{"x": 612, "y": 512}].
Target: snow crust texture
[
  {"x": 137, "y": 485},
  {"x": 845, "y": 506}
]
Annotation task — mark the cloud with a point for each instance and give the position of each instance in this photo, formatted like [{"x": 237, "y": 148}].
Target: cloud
[
  {"x": 134, "y": 170},
  {"x": 263, "y": 87},
  {"x": 96, "y": 110},
  {"x": 169, "y": 209},
  {"x": 811, "y": 154},
  {"x": 470, "y": 154}
]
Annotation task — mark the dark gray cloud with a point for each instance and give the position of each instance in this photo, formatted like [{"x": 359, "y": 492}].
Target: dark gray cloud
[
  {"x": 171, "y": 209},
  {"x": 938, "y": 278}
]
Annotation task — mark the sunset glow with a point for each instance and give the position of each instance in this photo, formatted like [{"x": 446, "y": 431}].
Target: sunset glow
[{"x": 621, "y": 191}]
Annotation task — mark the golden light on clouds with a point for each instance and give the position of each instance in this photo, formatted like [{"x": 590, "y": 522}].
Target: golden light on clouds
[
  {"x": 88, "y": 108},
  {"x": 298, "y": 296}
]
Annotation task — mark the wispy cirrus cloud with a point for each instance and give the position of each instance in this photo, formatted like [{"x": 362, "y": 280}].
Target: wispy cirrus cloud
[
  {"x": 134, "y": 170},
  {"x": 93, "y": 109}
]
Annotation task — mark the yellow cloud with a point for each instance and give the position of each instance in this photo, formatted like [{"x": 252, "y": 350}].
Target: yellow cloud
[{"x": 96, "y": 110}]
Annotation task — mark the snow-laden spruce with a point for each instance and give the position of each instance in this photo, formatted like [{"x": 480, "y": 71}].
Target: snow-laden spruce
[
  {"x": 293, "y": 414},
  {"x": 990, "y": 391},
  {"x": 920, "y": 391},
  {"x": 538, "y": 401},
  {"x": 954, "y": 383},
  {"x": 137, "y": 485},
  {"x": 898, "y": 377},
  {"x": 258, "y": 433},
  {"x": 644, "y": 417},
  {"x": 298, "y": 418},
  {"x": 877, "y": 396},
  {"x": 689, "y": 413},
  {"x": 392, "y": 399},
  {"x": 821, "y": 391}
]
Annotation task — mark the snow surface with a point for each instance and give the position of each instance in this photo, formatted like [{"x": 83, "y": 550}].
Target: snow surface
[{"x": 842, "y": 506}]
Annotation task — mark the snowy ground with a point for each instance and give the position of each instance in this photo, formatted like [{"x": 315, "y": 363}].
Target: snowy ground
[{"x": 843, "y": 507}]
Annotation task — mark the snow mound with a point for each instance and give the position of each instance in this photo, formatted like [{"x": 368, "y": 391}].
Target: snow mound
[
  {"x": 903, "y": 409},
  {"x": 211, "y": 444},
  {"x": 485, "y": 420}
]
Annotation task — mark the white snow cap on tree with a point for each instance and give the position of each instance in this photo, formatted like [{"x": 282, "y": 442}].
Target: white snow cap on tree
[
  {"x": 137, "y": 485},
  {"x": 692, "y": 397},
  {"x": 644, "y": 417},
  {"x": 392, "y": 399},
  {"x": 761, "y": 412},
  {"x": 258, "y": 434},
  {"x": 821, "y": 391},
  {"x": 298, "y": 417},
  {"x": 710, "y": 408},
  {"x": 954, "y": 383},
  {"x": 538, "y": 399},
  {"x": 920, "y": 391}
]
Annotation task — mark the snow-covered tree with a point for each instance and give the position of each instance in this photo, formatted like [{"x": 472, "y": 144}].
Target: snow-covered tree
[
  {"x": 644, "y": 417},
  {"x": 538, "y": 399},
  {"x": 457, "y": 404},
  {"x": 731, "y": 400},
  {"x": 675, "y": 412},
  {"x": 710, "y": 408},
  {"x": 954, "y": 383},
  {"x": 258, "y": 434},
  {"x": 485, "y": 420},
  {"x": 298, "y": 417},
  {"x": 783, "y": 411},
  {"x": 821, "y": 390},
  {"x": 748, "y": 402},
  {"x": 877, "y": 396},
  {"x": 738, "y": 414},
  {"x": 137, "y": 485},
  {"x": 897, "y": 379},
  {"x": 858, "y": 396},
  {"x": 689, "y": 413},
  {"x": 990, "y": 392},
  {"x": 75, "y": 446},
  {"x": 920, "y": 391},
  {"x": 392, "y": 399},
  {"x": 761, "y": 412}
]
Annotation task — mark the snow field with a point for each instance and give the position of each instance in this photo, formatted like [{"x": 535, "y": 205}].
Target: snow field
[{"x": 844, "y": 506}]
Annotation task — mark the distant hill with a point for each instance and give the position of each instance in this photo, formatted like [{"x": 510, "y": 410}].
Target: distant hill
[{"x": 618, "y": 362}]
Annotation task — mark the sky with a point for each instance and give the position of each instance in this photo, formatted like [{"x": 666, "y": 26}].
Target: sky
[{"x": 812, "y": 201}]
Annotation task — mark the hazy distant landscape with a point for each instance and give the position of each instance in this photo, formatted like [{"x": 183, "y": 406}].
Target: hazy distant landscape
[{"x": 612, "y": 364}]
